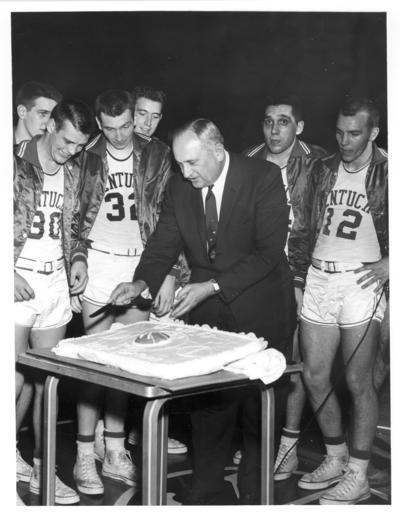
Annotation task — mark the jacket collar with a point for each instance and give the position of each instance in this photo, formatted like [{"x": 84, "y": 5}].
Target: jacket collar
[
  {"x": 99, "y": 144},
  {"x": 378, "y": 156},
  {"x": 300, "y": 149},
  {"x": 27, "y": 150}
]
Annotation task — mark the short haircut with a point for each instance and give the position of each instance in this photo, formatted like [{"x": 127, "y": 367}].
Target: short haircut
[
  {"x": 113, "y": 103},
  {"x": 353, "y": 105},
  {"x": 32, "y": 90},
  {"x": 78, "y": 113},
  {"x": 288, "y": 99},
  {"x": 150, "y": 93},
  {"x": 204, "y": 129}
]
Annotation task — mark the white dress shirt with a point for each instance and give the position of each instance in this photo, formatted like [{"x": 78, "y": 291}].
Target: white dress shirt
[{"x": 219, "y": 185}]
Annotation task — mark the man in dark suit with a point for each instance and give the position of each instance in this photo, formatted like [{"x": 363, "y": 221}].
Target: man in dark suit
[{"x": 230, "y": 215}]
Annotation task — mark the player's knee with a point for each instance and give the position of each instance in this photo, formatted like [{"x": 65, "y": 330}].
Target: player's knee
[
  {"x": 359, "y": 383},
  {"x": 315, "y": 378}
]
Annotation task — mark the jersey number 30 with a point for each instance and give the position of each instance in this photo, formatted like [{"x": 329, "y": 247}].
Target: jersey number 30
[{"x": 38, "y": 224}]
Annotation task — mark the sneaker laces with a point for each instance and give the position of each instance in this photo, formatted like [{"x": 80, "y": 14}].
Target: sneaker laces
[
  {"x": 325, "y": 465},
  {"x": 282, "y": 458},
  {"x": 87, "y": 465},
  {"x": 284, "y": 452},
  {"x": 347, "y": 484},
  {"x": 124, "y": 457}
]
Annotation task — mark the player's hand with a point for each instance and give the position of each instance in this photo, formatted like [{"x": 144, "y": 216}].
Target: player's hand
[
  {"x": 298, "y": 294},
  {"x": 79, "y": 277},
  {"x": 374, "y": 272},
  {"x": 165, "y": 297},
  {"x": 76, "y": 305},
  {"x": 22, "y": 290},
  {"x": 124, "y": 293},
  {"x": 190, "y": 296}
]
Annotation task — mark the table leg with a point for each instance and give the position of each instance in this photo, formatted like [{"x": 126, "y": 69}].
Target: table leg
[
  {"x": 155, "y": 434},
  {"x": 49, "y": 440},
  {"x": 267, "y": 445}
]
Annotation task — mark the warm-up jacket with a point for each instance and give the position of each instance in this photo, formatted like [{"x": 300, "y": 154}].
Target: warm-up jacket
[
  {"x": 304, "y": 235},
  {"x": 152, "y": 169},
  {"x": 28, "y": 185}
]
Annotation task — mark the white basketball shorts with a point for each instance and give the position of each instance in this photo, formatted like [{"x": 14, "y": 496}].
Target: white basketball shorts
[
  {"x": 335, "y": 299},
  {"x": 50, "y": 307},
  {"x": 105, "y": 272}
]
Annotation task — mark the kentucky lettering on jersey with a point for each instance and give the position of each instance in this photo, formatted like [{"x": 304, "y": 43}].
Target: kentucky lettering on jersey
[
  {"x": 52, "y": 199},
  {"x": 349, "y": 198},
  {"x": 119, "y": 180},
  {"x": 44, "y": 240},
  {"x": 348, "y": 233},
  {"x": 116, "y": 226}
]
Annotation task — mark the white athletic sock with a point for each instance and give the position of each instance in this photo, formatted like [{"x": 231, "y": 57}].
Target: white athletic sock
[
  {"x": 289, "y": 441},
  {"x": 85, "y": 448},
  {"x": 338, "y": 450},
  {"x": 359, "y": 465},
  {"x": 114, "y": 443}
]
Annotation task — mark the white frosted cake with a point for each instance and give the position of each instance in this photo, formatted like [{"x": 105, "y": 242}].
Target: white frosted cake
[{"x": 166, "y": 350}]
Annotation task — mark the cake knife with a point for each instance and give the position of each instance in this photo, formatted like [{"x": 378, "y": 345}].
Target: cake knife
[{"x": 140, "y": 302}]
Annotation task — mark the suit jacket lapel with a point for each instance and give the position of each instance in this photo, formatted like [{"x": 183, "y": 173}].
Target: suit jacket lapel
[{"x": 198, "y": 214}]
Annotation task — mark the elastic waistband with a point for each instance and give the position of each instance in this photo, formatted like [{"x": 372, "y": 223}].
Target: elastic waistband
[
  {"x": 335, "y": 267},
  {"x": 47, "y": 267}
]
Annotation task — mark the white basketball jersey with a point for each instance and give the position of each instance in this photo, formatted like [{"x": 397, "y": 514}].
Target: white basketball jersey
[
  {"x": 44, "y": 242},
  {"x": 116, "y": 225},
  {"x": 348, "y": 233}
]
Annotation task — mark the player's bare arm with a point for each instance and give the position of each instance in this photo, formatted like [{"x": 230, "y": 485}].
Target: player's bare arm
[
  {"x": 298, "y": 294},
  {"x": 22, "y": 290},
  {"x": 79, "y": 277}
]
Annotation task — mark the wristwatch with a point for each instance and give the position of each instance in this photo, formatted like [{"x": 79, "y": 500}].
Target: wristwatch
[{"x": 215, "y": 285}]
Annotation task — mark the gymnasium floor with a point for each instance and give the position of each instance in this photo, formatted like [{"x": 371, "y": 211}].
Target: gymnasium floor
[{"x": 179, "y": 468}]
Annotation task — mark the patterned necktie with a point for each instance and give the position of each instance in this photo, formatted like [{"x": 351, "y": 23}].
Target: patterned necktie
[{"x": 211, "y": 222}]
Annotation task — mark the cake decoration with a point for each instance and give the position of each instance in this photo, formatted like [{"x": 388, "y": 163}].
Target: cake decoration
[
  {"x": 189, "y": 350},
  {"x": 152, "y": 338}
]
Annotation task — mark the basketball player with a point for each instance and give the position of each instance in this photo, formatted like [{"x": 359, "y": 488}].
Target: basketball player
[
  {"x": 34, "y": 103},
  {"x": 149, "y": 104},
  {"x": 46, "y": 183},
  {"x": 282, "y": 125},
  {"x": 342, "y": 251},
  {"x": 125, "y": 176}
]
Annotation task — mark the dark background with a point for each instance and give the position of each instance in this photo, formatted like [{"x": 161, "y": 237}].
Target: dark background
[{"x": 217, "y": 65}]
